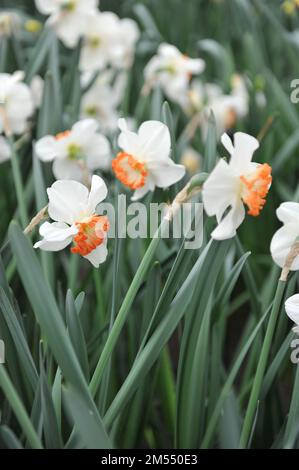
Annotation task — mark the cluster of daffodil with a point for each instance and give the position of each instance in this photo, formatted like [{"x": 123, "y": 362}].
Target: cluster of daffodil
[{"x": 144, "y": 158}]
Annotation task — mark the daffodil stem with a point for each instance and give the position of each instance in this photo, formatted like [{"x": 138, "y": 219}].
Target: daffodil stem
[
  {"x": 19, "y": 410},
  {"x": 184, "y": 195},
  {"x": 124, "y": 311},
  {"x": 18, "y": 183},
  {"x": 260, "y": 372}
]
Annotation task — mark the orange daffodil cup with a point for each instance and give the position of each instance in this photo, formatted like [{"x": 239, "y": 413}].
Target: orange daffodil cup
[
  {"x": 144, "y": 162},
  {"x": 232, "y": 185},
  {"x": 73, "y": 209}
]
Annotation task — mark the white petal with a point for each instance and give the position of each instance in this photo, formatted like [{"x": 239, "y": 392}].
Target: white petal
[
  {"x": 220, "y": 189},
  {"x": 292, "y": 308},
  {"x": 67, "y": 201},
  {"x": 288, "y": 212},
  {"x": 282, "y": 242},
  {"x": 122, "y": 124},
  {"x": 89, "y": 126},
  {"x": 130, "y": 143},
  {"x": 140, "y": 192},
  {"x": 98, "y": 256},
  {"x": 97, "y": 193},
  {"x": 46, "y": 148},
  {"x": 227, "y": 143},
  {"x": 166, "y": 173},
  {"x": 66, "y": 169},
  {"x": 98, "y": 154},
  {"x": 56, "y": 236},
  {"x": 46, "y": 7},
  {"x": 230, "y": 222},
  {"x": 244, "y": 147},
  {"x": 155, "y": 140}
]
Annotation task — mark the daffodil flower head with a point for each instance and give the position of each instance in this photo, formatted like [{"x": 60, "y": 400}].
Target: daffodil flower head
[
  {"x": 16, "y": 102},
  {"x": 144, "y": 162},
  {"x": 68, "y": 18},
  {"x": 76, "y": 153},
  {"x": 232, "y": 185},
  {"x": 172, "y": 70},
  {"x": 108, "y": 41},
  {"x": 284, "y": 238},
  {"x": 73, "y": 209}
]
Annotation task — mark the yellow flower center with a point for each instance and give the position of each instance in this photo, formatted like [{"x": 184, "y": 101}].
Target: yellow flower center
[
  {"x": 94, "y": 41},
  {"x": 74, "y": 152},
  {"x": 69, "y": 5},
  {"x": 91, "y": 234},
  {"x": 33, "y": 26},
  {"x": 255, "y": 188},
  {"x": 91, "y": 111}
]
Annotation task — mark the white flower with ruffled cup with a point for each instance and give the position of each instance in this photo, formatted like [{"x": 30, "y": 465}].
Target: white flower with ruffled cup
[
  {"x": 144, "y": 162},
  {"x": 73, "y": 209},
  {"x": 231, "y": 185}
]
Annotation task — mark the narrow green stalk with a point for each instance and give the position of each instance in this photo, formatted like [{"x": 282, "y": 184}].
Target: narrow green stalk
[
  {"x": 19, "y": 410},
  {"x": 258, "y": 380},
  {"x": 18, "y": 184},
  {"x": 124, "y": 311}
]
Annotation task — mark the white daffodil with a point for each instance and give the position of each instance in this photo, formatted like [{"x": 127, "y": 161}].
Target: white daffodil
[
  {"x": 233, "y": 184},
  {"x": 109, "y": 40},
  {"x": 5, "y": 151},
  {"x": 73, "y": 209},
  {"x": 102, "y": 100},
  {"x": 16, "y": 102},
  {"x": 144, "y": 162},
  {"x": 70, "y": 19},
  {"x": 284, "y": 238},
  {"x": 76, "y": 153},
  {"x": 172, "y": 70},
  {"x": 292, "y": 310},
  {"x": 226, "y": 108}
]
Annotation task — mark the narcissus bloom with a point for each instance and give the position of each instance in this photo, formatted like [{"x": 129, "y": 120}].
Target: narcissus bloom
[
  {"x": 103, "y": 98},
  {"x": 144, "y": 162},
  {"x": 172, "y": 70},
  {"x": 284, "y": 238},
  {"x": 69, "y": 18},
  {"x": 292, "y": 310},
  {"x": 76, "y": 153},
  {"x": 108, "y": 41},
  {"x": 16, "y": 102},
  {"x": 227, "y": 109},
  {"x": 73, "y": 209},
  {"x": 233, "y": 184}
]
